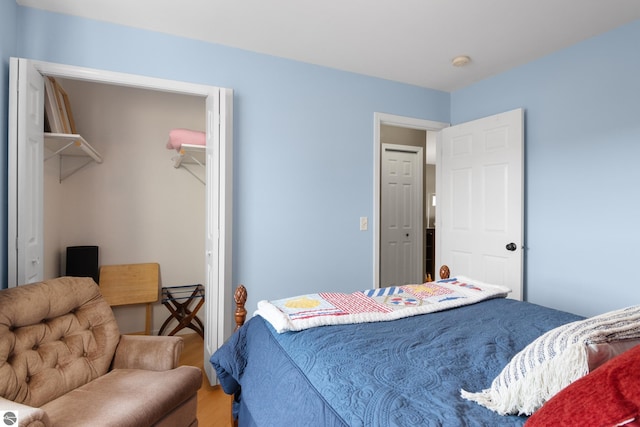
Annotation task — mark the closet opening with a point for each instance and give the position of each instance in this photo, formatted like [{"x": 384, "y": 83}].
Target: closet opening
[{"x": 135, "y": 205}]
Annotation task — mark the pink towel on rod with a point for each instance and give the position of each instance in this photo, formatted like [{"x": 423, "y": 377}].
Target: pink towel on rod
[{"x": 177, "y": 137}]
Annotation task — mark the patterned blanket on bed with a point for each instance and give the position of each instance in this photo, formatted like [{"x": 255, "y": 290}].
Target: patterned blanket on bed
[{"x": 375, "y": 305}]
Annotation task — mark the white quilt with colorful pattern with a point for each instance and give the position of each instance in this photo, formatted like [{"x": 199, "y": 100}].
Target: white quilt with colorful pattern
[{"x": 375, "y": 305}]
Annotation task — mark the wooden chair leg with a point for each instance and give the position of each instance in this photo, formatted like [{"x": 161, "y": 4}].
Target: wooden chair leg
[{"x": 147, "y": 324}]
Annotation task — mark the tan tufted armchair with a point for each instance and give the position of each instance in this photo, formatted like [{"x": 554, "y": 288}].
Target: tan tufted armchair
[{"x": 64, "y": 363}]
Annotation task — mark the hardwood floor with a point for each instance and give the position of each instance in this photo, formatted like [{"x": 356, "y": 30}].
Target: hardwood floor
[{"x": 214, "y": 406}]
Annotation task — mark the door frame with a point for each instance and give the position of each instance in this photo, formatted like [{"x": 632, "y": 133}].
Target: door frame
[
  {"x": 218, "y": 266},
  {"x": 380, "y": 119}
]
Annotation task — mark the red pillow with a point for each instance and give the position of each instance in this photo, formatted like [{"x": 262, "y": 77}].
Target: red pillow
[{"x": 608, "y": 396}]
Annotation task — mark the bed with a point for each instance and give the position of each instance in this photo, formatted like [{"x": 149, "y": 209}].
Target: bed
[{"x": 411, "y": 371}]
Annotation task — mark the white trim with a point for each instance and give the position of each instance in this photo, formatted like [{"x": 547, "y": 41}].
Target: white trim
[
  {"x": 401, "y": 121},
  {"x": 122, "y": 79},
  {"x": 12, "y": 166},
  {"x": 225, "y": 217}
]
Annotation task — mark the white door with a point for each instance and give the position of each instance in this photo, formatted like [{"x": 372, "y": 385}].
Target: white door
[
  {"x": 480, "y": 200},
  {"x": 25, "y": 180},
  {"x": 218, "y": 299},
  {"x": 401, "y": 215}
]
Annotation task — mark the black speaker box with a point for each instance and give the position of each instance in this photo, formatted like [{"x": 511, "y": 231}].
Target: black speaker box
[{"x": 82, "y": 261}]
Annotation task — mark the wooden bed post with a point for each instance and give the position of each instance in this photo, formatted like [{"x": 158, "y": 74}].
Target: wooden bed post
[
  {"x": 444, "y": 272},
  {"x": 240, "y": 297}
]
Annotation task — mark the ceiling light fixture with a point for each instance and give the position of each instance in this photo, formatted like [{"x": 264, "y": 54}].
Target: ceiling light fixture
[{"x": 460, "y": 61}]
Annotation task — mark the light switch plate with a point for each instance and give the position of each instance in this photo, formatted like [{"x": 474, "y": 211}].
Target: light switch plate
[{"x": 364, "y": 223}]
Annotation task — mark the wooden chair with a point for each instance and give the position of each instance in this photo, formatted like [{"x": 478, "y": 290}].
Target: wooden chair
[{"x": 129, "y": 284}]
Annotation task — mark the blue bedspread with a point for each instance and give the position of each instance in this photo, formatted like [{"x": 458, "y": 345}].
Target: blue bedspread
[{"x": 406, "y": 372}]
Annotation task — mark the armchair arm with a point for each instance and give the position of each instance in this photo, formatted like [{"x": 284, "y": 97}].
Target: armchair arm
[
  {"x": 153, "y": 353},
  {"x": 28, "y": 416}
]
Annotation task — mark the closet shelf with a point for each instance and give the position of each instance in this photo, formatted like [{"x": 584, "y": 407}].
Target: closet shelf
[
  {"x": 191, "y": 155},
  {"x": 70, "y": 145}
]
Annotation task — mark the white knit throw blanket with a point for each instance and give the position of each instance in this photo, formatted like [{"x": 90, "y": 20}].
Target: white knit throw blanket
[{"x": 553, "y": 361}]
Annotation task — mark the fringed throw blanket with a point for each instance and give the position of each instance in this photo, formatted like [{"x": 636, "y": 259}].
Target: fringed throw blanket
[
  {"x": 553, "y": 361},
  {"x": 375, "y": 305}
]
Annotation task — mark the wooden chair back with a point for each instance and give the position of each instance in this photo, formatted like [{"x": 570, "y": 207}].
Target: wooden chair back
[{"x": 128, "y": 284}]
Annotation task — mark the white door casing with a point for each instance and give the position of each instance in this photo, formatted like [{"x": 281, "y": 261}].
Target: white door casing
[
  {"x": 480, "y": 200},
  {"x": 218, "y": 240},
  {"x": 217, "y": 252},
  {"x": 26, "y": 156},
  {"x": 380, "y": 119},
  {"x": 401, "y": 215}
]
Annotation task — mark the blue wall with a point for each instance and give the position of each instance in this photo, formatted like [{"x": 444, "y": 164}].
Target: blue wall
[
  {"x": 582, "y": 108},
  {"x": 304, "y": 158},
  {"x": 303, "y": 139}
]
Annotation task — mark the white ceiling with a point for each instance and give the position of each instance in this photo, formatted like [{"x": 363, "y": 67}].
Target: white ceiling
[{"x": 410, "y": 41}]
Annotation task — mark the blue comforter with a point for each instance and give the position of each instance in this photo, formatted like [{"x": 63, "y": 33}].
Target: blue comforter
[{"x": 406, "y": 372}]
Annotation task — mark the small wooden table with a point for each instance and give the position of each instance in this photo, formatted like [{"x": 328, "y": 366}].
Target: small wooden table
[
  {"x": 127, "y": 284},
  {"x": 177, "y": 299}
]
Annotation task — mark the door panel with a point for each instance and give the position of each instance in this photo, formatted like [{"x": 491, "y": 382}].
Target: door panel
[
  {"x": 495, "y": 206},
  {"x": 481, "y": 200},
  {"x": 219, "y": 302},
  {"x": 461, "y": 191},
  {"x": 401, "y": 215},
  {"x": 25, "y": 179}
]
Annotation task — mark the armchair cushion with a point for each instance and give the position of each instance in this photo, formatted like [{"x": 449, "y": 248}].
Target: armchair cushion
[
  {"x": 156, "y": 353},
  {"x": 126, "y": 398}
]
